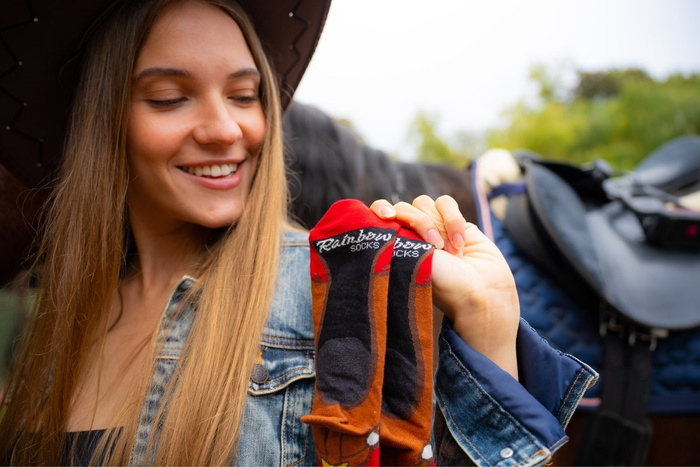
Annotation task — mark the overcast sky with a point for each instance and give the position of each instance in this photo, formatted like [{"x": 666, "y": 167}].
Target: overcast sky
[{"x": 381, "y": 61}]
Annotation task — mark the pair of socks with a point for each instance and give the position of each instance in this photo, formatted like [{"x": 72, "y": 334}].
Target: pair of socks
[{"x": 372, "y": 311}]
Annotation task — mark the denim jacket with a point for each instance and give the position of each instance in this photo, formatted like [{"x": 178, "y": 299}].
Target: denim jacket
[{"x": 483, "y": 415}]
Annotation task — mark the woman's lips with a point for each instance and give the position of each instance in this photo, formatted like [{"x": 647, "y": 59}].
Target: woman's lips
[{"x": 215, "y": 176}]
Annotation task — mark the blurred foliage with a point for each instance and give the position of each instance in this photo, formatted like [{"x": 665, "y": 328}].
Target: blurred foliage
[
  {"x": 14, "y": 306},
  {"x": 617, "y": 115},
  {"x": 433, "y": 148}
]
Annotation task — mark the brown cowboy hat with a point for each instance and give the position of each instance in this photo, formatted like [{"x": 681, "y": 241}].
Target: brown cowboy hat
[{"x": 38, "y": 37}]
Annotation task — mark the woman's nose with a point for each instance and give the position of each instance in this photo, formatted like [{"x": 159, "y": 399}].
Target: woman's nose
[{"x": 217, "y": 124}]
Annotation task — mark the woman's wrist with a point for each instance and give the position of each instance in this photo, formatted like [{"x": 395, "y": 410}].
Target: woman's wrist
[{"x": 488, "y": 323}]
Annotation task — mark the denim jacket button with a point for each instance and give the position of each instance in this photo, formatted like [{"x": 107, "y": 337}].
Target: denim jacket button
[
  {"x": 260, "y": 374},
  {"x": 506, "y": 453}
]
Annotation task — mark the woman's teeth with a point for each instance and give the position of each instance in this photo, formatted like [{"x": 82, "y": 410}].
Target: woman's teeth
[{"x": 222, "y": 170}]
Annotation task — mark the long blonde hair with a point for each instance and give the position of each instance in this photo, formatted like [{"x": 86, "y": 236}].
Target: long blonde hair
[{"x": 84, "y": 251}]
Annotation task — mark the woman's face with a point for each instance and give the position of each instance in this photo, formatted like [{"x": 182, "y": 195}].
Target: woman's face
[{"x": 196, "y": 123}]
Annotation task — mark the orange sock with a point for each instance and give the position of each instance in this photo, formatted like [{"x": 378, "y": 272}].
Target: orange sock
[
  {"x": 350, "y": 262},
  {"x": 407, "y": 396}
]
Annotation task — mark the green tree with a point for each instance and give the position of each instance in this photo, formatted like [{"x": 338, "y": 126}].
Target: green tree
[
  {"x": 432, "y": 148},
  {"x": 617, "y": 115},
  {"x": 549, "y": 81}
]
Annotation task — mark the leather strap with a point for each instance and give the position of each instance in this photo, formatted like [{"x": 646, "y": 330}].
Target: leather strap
[{"x": 619, "y": 433}]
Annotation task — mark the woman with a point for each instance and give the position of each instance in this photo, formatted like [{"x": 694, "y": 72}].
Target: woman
[{"x": 168, "y": 270}]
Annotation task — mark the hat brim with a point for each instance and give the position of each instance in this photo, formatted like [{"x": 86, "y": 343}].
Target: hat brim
[{"x": 38, "y": 37}]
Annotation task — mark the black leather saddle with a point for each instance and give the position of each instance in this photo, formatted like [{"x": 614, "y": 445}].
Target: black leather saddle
[{"x": 616, "y": 239}]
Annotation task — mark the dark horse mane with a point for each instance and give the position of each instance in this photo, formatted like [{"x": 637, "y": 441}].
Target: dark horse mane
[{"x": 327, "y": 162}]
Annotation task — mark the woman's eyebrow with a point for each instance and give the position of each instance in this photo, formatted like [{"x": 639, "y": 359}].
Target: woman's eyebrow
[
  {"x": 179, "y": 73},
  {"x": 245, "y": 72},
  {"x": 158, "y": 71}
]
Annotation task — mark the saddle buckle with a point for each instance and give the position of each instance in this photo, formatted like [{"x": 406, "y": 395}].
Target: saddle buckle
[
  {"x": 610, "y": 322},
  {"x": 651, "y": 335}
]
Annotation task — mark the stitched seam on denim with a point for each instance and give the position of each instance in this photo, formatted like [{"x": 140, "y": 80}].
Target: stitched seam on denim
[
  {"x": 307, "y": 431},
  {"x": 297, "y": 369},
  {"x": 283, "y": 428},
  {"x": 282, "y": 338},
  {"x": 286, "y": 342},
  {"x": 290, "y": 339},
  {"x": 287, "y": 348},
  {"x": 560, "y": 442},
  {"x": 533, "y": 455},
  {"x": 272, "y": 390},
  {"x": 579, "y": 389},
  {"x": 565, "y": 404},
  {"x": 294, "y": 244}
]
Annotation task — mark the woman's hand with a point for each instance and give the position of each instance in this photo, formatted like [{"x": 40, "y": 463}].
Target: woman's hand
[{"x": 472, "y": 283}]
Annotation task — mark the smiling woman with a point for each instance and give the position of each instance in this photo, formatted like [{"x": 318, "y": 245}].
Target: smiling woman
[
  {"x": 175, "y": 316},
  {"x": 135, "y": 246}
]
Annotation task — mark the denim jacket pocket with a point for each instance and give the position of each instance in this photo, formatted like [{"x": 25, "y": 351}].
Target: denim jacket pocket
[
  {"x": 280, "y": 392},
  {"x": 277, "y": 367}
]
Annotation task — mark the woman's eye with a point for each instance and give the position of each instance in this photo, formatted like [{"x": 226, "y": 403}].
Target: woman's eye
[
  {"x": 245, "y": 98},
  {"x": 166, "y": 102}
]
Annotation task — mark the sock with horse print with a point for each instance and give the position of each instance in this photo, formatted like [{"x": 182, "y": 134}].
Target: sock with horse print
[
  {"x": 407, "y": 394},
  {"x": 350, "y": 261}
]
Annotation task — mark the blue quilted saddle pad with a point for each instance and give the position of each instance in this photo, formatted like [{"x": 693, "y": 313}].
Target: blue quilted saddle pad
[{"x": 570, "y": 328}]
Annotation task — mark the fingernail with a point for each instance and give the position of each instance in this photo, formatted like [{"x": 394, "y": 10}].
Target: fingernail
[
  {"x": 387, "y": 211},
  {"x": 435, "y": 238},
  {"x": 458, "y": 240}
]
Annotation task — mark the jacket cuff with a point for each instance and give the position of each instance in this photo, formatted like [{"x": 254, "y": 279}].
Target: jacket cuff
[{"x": 498, "y": 420}]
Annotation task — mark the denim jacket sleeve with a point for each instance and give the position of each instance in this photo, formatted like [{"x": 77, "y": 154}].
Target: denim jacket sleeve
[{"x": 486, "y": 417}]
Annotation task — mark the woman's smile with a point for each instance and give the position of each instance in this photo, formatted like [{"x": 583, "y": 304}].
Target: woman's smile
[
  {"x": 216, "y": 176},
  {"x": 211, "y": 171}
]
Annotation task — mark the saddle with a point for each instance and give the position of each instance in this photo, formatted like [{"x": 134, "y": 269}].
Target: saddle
[
  {"x": 624, "y": 246},
  {"x": 614, "y": 240}
]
